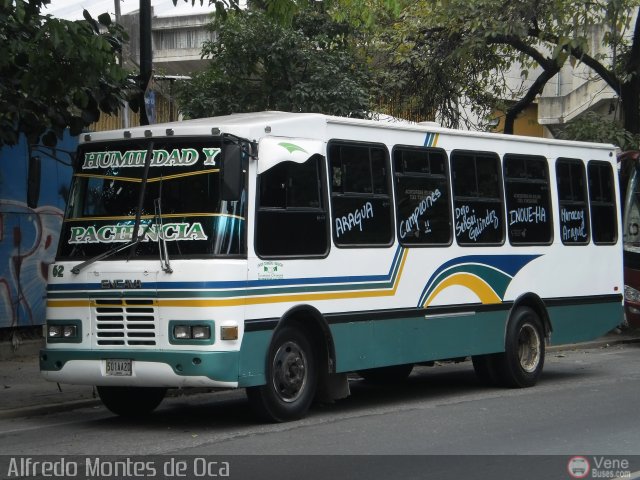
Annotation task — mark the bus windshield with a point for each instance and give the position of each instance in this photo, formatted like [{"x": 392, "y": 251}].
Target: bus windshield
[{"x": 182, "y": 204}]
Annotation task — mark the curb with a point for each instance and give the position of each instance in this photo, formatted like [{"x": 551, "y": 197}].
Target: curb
[{"x": 603, "y": 343}]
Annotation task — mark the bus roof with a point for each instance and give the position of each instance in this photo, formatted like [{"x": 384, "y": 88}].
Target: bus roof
[{"x": 308, "y": 125}]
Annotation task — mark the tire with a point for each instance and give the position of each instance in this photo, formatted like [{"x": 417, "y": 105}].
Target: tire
[
  {"x": 521, "y": 364},
  {"x": 131, "y": 401},
  {"x": 393, "y": 374},
  {"x": 292, "y": 378},
  {"x": 486, "y": 370}
]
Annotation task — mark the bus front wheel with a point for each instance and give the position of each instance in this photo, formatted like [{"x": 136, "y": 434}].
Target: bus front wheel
[
  {"x": 292, "y": 377},
  {"x": 521, "y": 364},
  {"x": 131, "y": 401}
]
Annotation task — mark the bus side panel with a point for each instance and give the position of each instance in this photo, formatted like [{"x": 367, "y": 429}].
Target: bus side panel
[
  {"x": 580, "y": 323},
  {"x": 372, "y": 344}
]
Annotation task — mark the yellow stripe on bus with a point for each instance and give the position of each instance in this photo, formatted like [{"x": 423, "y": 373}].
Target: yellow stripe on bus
[
  {"x": 478, "y": 286},
  {"x": 257, "y": 300}
]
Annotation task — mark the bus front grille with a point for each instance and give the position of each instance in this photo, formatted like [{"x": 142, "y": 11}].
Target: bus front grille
[{"x": 125, "y": 322}]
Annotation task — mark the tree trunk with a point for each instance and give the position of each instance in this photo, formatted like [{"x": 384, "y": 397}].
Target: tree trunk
[{"x": 510, "y": 118}]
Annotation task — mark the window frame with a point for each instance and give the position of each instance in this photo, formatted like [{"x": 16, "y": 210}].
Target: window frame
[
  {"x": 396, "y": 175},
  {"x": 587, "y": 221},
  {"x": 355, "y": 195},
  {"x": 322, "y": 210},
  {"x": 506, "y": 157},
  {"x": 500, "y": 198},
  {"x": 612, "y": 204}
]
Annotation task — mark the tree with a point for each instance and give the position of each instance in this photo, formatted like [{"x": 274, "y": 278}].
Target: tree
[
  {"x": 259, "y": 64},
  {"x": 473, "y": 43},
  {"x": 56, "y": 73},
  {"x": 591, "y": 127}
]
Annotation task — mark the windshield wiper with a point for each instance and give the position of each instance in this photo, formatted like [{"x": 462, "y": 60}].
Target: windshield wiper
[
  {"x": 162, "y": 242},
  {"x": 136, "y": 238}
]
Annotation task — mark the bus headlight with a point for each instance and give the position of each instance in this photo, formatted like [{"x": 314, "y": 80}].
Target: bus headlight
[
  {"x": 182, "y": 332},
  {"x": 69, "y": 331},
  {"x": 55, "y": 331},
  {"x": 200, "y": 332},
  {"x": 64, "y": 331},
  {"x": 191, "y": 333}
]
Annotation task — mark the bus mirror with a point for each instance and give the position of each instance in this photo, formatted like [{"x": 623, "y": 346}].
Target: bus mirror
[
  {"x": 231, "y": 172},
  {"x": 33, "y": 181}
]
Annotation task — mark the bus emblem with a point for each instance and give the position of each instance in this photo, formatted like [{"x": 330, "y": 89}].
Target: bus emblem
[{"x": 120, "y": 284}]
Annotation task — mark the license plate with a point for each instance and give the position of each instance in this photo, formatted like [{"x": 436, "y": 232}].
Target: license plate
[{"x": 118, "y": 367}]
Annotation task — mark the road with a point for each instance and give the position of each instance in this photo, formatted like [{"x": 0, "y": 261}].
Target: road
[{"x": 586, "y": 404}]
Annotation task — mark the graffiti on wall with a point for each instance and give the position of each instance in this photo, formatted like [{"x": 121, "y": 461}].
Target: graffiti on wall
[
  {"x": 28, "y": 242},
  {"x": 30, "y": 226}
]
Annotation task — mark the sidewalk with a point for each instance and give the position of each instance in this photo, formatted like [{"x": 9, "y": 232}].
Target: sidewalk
[{"x": 23, "y": 391}]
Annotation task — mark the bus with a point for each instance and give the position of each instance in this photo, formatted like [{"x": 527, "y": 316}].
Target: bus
[
  {"x": 628, "y": 164},
  {"x": 281, "y": 252}
]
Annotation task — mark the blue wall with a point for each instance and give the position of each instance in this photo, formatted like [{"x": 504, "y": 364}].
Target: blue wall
[{"x": 29, "y": 234}]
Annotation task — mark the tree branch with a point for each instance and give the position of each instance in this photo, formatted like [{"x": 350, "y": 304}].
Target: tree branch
[
  {"x": 607, "y": 75},
  {"x": 521, "y": 46},
  {"x": 530, "y": 96}
]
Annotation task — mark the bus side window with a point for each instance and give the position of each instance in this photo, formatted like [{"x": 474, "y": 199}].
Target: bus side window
[
  {"x": 360, "y": 194},
  {"x": 423, "y": 204},
  {"x": 528, "y": 198},
  {"x": 602, "y": 203},
  {"x": 572, "y": 195},
  {"x": 291, "y": 217},
  {"x": 477, "y": 198}
]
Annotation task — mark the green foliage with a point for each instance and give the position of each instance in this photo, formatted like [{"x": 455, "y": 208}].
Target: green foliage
[
  {"x": 55, "y": 73},
  {"x": 260, "y": 64},
  {"x": 442, "y": 52},
  {"x": 221, "y": 6},
  {"x": 590, "y": 127}
]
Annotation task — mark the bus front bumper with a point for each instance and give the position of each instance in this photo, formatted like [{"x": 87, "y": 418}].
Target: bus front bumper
[{"x": 147, "y": 368}]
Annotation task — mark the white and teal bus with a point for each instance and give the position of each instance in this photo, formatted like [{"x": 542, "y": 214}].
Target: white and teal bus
[{"x": 278, "y": 252}]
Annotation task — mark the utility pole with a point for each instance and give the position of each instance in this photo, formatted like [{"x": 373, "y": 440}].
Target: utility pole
[
  {"x": 146, "y": 59},
  {"x": 124, "y": 110}
]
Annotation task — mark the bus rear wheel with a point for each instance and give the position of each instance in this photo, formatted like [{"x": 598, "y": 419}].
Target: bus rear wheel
[
  {"x": 131, "y": 401},
  {"x": 521, "y": 364},
  {"x": 292, "y": 377}
]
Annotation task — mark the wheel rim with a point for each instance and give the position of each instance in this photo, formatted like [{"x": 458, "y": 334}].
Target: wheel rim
[
  {"x": 529, "y": 351},
  {"x": 289, "y": 371}
]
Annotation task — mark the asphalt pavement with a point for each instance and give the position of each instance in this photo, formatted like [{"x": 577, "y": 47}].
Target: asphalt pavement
[{"x": 24, "y": 392}]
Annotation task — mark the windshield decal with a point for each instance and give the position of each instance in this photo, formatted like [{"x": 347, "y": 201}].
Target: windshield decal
[
  {"x": 178, "y": 157},
  {"x": 148, "y": 233}
]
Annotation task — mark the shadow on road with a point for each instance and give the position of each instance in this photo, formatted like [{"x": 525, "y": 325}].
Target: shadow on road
[{"x": 222, "y": 410}]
